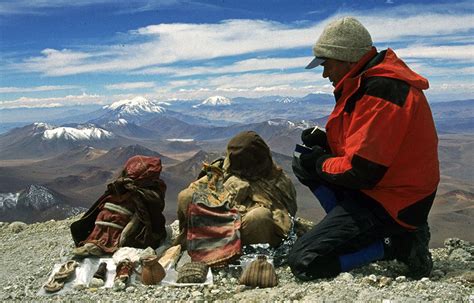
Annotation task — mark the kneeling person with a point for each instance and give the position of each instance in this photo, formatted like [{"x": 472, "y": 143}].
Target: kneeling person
[{"x": 379, "y": 160}]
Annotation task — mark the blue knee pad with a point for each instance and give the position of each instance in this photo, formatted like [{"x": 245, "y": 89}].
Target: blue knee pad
[
  {"x": 326, "y": 197},
  {"x": 364, "y": 256}
]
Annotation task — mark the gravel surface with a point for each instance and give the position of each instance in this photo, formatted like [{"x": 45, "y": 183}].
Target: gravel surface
[{"x": 28, "y": 253}]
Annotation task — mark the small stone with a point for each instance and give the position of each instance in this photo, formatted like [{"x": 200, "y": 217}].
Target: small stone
[
  {"x": 460, "y": 254},
  {"x": 420, "y": 285},
  {"x": 240, "y": 288},
  {"x": 17, "y": 226},
  {"x": 452, "y": 243},
  {"x": 79, "y": 286},
  {"x": 468, "y": 276},
  {"x": 385, "y": 281},
  {"x": 148, "y": 252},
  {"x": 96, "y": 283},
  {"x": 130, "y": 289},
  {"x": 232, "y": 280},
  {"x": 437, "y": 273},
  {"x": 215, "y": 291},
  {"x": 425, "y": 279},
  {"x": 401, "y": 279},
  {"x": 371, "y": 280},
  {"x": 196, "y": 293},
  {"x": 119, "y": 285},
  {"x": 346, "y": 276}
]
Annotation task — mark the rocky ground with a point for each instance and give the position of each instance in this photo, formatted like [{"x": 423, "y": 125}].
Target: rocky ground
[{"x": 28, "y": 253}]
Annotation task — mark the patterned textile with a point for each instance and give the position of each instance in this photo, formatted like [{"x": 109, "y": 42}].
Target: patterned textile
[
  {"x": 129, "y": 213},
  {"x": 213, "y": 235}
]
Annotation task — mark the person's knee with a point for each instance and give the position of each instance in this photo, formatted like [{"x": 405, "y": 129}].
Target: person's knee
[
  {"x": 298, "y": 265},
  {"x": 258, "y": 227},
  {"x": 184, "y": 199},
  {"x": 309, "y": 260},
  {"x": 307, "y": 267},
  {"x": 257, "y": 215}
]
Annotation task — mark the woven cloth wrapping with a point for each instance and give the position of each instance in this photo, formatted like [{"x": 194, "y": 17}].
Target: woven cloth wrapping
[
  {"x": 130, "y": 212},
  {"x": 213, "y": 235}
]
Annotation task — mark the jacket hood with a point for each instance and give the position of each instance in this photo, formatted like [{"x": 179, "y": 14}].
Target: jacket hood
[{"x": 393, "y": 67}]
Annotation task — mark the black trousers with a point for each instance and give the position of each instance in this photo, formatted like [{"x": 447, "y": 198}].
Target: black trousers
[{"x": 355, "y": 223}]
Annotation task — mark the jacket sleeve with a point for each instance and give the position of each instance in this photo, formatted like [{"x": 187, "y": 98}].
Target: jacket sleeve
[{"x": 376, "y": 131}]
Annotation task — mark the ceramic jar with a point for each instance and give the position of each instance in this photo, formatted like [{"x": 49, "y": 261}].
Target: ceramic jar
[{"x": 152, "y": 271}]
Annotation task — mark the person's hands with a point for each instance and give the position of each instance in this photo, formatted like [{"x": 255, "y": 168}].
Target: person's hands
[
  {"x": 308, "y": 160},
  {"x": 301, "y": 174},
  {"x": 304, "y": 166},
  {"x": 312, "y": 137}
]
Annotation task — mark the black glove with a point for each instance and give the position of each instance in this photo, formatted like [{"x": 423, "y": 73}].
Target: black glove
[
  {"x": 311, "y": 137},
  {"x": 308, "y": 160},
  {"x": 304, "y": 166},
  {"x": 301, "y": 174}
]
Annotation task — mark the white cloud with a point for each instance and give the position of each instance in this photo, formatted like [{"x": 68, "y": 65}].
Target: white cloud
[
  {"x": 179, "y": 42},
  {"x": 43, "y": 88},
  {"x": 171, "y": 43},
  {"x": 259, "y": 91},
  {"x": 249, "y": 65},
  {"x": 394, "y": 28},
  {"x": 247, "y": 84},
  {"x": 454, "y": 87},
  {"x": 453, "y": 90},
  {"x": 10, "y": 7},
  {"x": 435, "y": 71},
  {"x": 444, "y": 52},
  {"x": 196, "y": 59},
  {"x": 130, "y": 85},
  {"x": 269, "y": 79},
  {"x": 68, "y": 100},
  {"x": 35, "y": 6}
]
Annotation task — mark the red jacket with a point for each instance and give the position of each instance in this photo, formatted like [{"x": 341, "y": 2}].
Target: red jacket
[{"x": 383, "y": 139}]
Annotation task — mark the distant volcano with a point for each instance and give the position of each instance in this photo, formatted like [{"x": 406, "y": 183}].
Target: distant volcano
[{"x": 215, "y": 101}]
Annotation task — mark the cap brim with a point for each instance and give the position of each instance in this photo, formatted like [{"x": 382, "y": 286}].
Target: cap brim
[{"x": 316, "y": 62}]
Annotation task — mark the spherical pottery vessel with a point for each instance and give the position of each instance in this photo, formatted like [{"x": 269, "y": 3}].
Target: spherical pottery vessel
[{"x": 152, "y": 271}]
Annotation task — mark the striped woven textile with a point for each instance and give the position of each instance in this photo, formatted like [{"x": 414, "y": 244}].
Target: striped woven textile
[
  {"x": 213, "y": 232},
  {"x": 259, "y": 273}
]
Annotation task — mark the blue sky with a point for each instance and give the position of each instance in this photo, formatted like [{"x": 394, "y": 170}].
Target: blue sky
[{"x": 65, "y": 53}]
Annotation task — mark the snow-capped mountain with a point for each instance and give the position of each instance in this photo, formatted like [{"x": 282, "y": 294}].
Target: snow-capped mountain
[
  {"x": 137, "y": 111},
  {"x": 133, "y": 110},
  {"x": 35, "y": 203},
  {"x": 303, "y": 124},
  {"x": 119, "y": 122},
  {"x": 42, "y": 139},
  {"x": 135, "y": 107},
  {"x": 40, "y": 127},
  {"x": 86, "y": 132},
  {"x": 8, "y": 200},
  {"x": 215, "y": 101},
  {"x": 81, "y": 132},
  {"x": 287, "y": 100}
]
